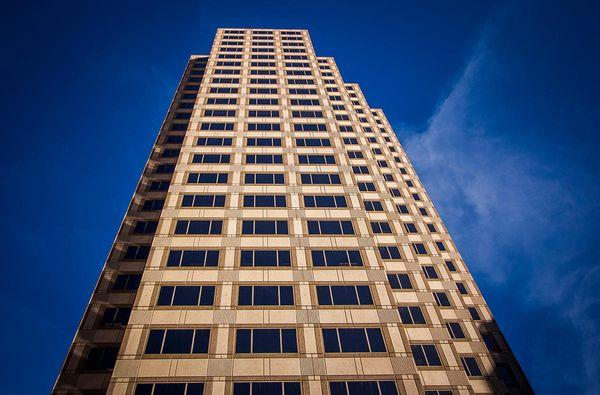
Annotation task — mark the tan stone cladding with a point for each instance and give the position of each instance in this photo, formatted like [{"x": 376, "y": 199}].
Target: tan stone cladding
[{"x": 280, "y": 241}]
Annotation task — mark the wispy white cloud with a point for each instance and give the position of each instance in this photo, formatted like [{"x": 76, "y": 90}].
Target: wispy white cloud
[{"x": 525, "y": 220}]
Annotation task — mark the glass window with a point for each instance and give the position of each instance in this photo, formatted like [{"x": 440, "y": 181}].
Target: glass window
[
  {"x": 471, "y": 366},
  {"x": 199, "y": 227},
  {"x": 450, "y": 266},
  {"x": 260, "y": 258},
  {"x": 203, "y": 201},
  {"x": 344, "y": 295},
  {"x": 266, "y": 295},
  {"x": 425, "y": 355},
  {"x": 137, "y": 252},
  {"x": 127, "y": 282},
  {"x": 267, "y": 388},
  {"x": 178, "y": 341},
  {"x": 419, "y": 248},
  {"x": 207, "y": 178},
  {"x": 442, "y": 299},
  {"x": 208, "y": 258},
  {"x": 363, "y": 388},
  {"x": 399, "y": 281},
  {"x": 330, "y": 227},
  {"x": 411, "y": 315},
  {"x": 266, "y": 341},
  {"x": 329, "y": 201},
  {"x": 264, "y": 227},
  {"x": 373, "y": 205},
  {"x": 474, "y": 313},
  {"x": 490, "y": 342},
  {"x": 264, "y": 201},
  {"x": 336, "y": 258},
  {"x": 410, "y": 227},
  {"x": 430, "y": 272},
  {"x": 455, "y": 330},
  {"x": 186, "y": 295},
  {"x": 115, "y": 316},
  {"x": 101, "y": 358},
  {"x": 170, "y": 389},
  {"x": 389, "y": 252},
  {"x": 380, "y": 227},
  {"x": 353, "y": 340},
  {"x": 263, "y": 178}
]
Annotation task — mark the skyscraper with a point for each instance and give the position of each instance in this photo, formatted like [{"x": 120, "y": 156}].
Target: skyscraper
[{"x": 280, "y": 242}]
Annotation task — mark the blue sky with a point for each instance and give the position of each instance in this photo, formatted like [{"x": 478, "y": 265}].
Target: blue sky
[{"x": 495, "y": 102}]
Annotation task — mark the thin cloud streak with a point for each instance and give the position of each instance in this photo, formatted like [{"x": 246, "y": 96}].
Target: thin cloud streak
[{"x": 524, "y": 223}]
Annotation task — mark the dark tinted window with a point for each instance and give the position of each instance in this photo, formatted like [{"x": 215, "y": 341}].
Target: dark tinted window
[
  {"x": 330, "y": 227},
  {"x": 198, "y": 227},
  {"x": 353, "y": 340},
  {"x": 263, "y": 178},
  {"x": 186, "y": 295},
  {"x": 136, "y": 252},
  {"x": 262, "y": 295},
  {"x": 471, "y": 366},
  {"x": 266, "y": 341},
  {"x": 344, "y": 295},
  {"x": 115, "y": 316},
  {"x": 411, "y": 315},
  {"x": 178, "y": 341},
  {"x": 336, "y": 258},
  {"x": 363, "y": 388},
  {"x": 389, "y": 252},
  {"x": 264, "y": 201},
  {"x": 261, "y": 258},
  {"x": 170, "y": 389},
  {"x": 193, "y": 258},
  {"x": 101, "y": 358},
  {"x": 127, "y": 282},
  {"x": 425, "y": 355},
  {"x": 264, "y": 227},
  {"x": 203, "y": 201},
  {"x": 325, "y": 201},
  {"x": 267, "y": 388},
  {"x": 441, "y": 299},
  {"x": 208, "y": 178},
  {"x": 399, "y": 281}
]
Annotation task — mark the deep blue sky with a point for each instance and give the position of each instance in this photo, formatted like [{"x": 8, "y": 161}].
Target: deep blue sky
[{"x": 496, "y": 103}]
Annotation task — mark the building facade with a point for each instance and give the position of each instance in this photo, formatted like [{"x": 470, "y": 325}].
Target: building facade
[{"x": 279, "y": 241}]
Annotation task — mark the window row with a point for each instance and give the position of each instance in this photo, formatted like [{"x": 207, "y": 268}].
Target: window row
[
  {"x": 265, "y": 142},
  {"x": 265, "y": 258},
  {"x": 327, "y": 201},
  {"x": 264, "y": 227},
  {"x": 303, "y": 159},
  {"x": 278, "y": 388},
  {"x": 275, "y": 340}
]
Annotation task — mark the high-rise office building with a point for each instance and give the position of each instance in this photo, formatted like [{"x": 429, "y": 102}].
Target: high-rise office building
[{"x": 280, "y": 242}]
